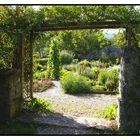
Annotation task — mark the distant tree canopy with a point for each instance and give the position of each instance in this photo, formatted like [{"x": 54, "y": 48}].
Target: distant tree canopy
[{"x": 119, "y": 40}]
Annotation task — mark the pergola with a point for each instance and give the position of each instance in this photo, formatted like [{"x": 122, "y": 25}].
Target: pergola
[{"x": 22, "y": 73}]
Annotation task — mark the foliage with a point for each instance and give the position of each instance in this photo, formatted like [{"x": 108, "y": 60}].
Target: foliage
[
  {"x": 6, "y": 51},
  {"x": 40, "y": 74},
  {"x": 85, "y": 71},
  {"x": 95, "y": 72},
  {"x": 84, "y": 63},
  {"x": 53, "y": 66},
  {"x": 98, "y": 88},
  {"x": 109, "y": 79},
  {"x": 75, "y": 84},
  {"x": 66, "y": 57},
  {"x": 100, "y": 64},
  {"x": 74, "y": 61},
  {"x": 39, "y": 105},
  {"x": 109, "y": 112},
  {"x": 119, "y": 40}
]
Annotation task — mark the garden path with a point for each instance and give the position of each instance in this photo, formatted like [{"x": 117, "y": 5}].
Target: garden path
[
  {"x": 72, "y": 114},
  {"x": 77, "y": 105}
]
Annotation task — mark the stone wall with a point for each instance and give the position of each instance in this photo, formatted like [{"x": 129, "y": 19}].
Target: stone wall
[
  {"x": 10, "y": 94},
  {"x": 129, "y": 102},
  {"x": 107, "y": 50}
]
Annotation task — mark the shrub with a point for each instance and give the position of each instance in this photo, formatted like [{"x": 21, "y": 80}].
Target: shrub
[
  {"x": 70, "y": 67},
  {"x": 66, "y": 57},
  {"x": 85, "y": 63},
  {"x": 98, "y": 88},
  {"x": 75, "y": 61},
  {"x": 75, "y": 84},
  {"x": 42, "y": 61},
  {"x": 109, "y": 78},
  {"x": 39, "y": 104},
  {"x": 109, "y": 112},
  {"x": 100, "y": 64},
  {"x": 40, "y": 75},
  {"x": 95, "y": 72},
  {"x": 53, "y": 66},
  {"x": 85, "y": 71},
  {"x": 104, "y": 58}
]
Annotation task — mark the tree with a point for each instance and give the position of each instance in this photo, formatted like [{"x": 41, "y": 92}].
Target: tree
[
  {"x": 53, "y": 64},
  {"x": 119, "y": 40}
]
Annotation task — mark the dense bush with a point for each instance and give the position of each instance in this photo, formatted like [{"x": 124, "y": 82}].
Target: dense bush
[
  {"x": 109, "y": 79},
  {"x": 66, "y": 57},
  {"x": 99, "y": 88},
  {"x": 42, "y": 61},
  {"x": 85, "y": 71},
  {"x": 75, "y": 84},
  {"x": 100, "y": 64},
  {"x": 85, "y": 63},
  {"x": 40, "y": 74},
  {"x": 109, "y": 59}
]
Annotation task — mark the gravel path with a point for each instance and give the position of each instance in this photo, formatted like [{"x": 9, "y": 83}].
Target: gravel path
[
  {"x": 55, "y": 94},
  {"x": 72, "y": 114},
  {"x": 67, "y": 104}
]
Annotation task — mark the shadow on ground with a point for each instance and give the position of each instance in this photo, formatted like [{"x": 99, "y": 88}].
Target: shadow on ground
[{"x": 58, "y": 124}]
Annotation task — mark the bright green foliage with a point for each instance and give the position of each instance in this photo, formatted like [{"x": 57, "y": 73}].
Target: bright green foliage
[
  {"x": 40, "y": 74},
  {"x": 109, "y": 79},
  {"x": 98, "y": 88},
  {"x": 109, "y": 112},
  {"x": 6, "y": 51},
  {"x": 39, "y": 104},
  {"x": 53, "y": 65},
  {"x": 66, "y": 57},
  {"x": 75, "y": 84},
  {"x": 119, "y": 40}
]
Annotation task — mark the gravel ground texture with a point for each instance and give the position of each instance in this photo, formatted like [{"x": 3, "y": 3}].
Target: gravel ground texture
[{"x": 78, "y": 105}]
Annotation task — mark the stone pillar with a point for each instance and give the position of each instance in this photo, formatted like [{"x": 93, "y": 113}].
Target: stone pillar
[
  {"x": 129, "y": 102},
  {"x": 10, "y": 94}
]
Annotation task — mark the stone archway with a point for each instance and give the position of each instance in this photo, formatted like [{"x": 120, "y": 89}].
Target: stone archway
[{"x": 129, "y": 102}]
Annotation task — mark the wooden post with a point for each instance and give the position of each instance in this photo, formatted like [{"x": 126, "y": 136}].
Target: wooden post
[
  {"x": 31, "y": 64},
  {"x": 129, "y": 36},
  {"x": 22, "y": 63}
]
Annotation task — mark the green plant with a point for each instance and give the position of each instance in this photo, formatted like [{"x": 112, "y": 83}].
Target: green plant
[
  {"x": 98, "y": 88},
  {"x": 85, "y": 71},
  {"x": 66, "y": 57},
  {"x": 75, "y": 84},
  {"x": 85, "y": 63},
  {"x": 53, "y": 66},
  {"x": 100, "y": 64},
  {"x": 75, "y": 61},
  {"x": 109, "y": 78},
  {"x": 39, "y": 105},
  {"x": 40, "y": 74},
  {"x": 109, "y": 112}
]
